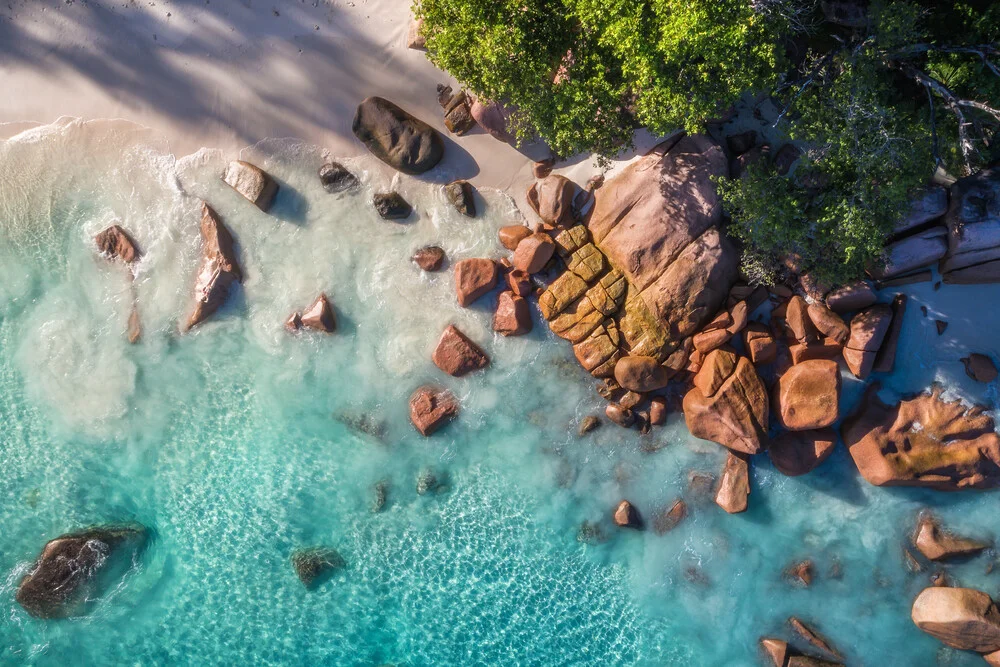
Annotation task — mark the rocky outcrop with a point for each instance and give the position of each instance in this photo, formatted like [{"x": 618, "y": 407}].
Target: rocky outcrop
[
  {"x": 431, "y": 408},
  {"x": 807, "y": 396},
  {"x": 796, "y": 453},
  {"x": 734, "y": 484},
  {"x": 962, "y": 618},
  {"x": 115, "y": 243},
  {"x": 924, "y": 441},
  {"x": 315, "y": 564},
  {"x": 397, "y": 138},
  {"x": 68, "y": 571},
  {"x": 429, "y": 258},
  {"x": 473, "y": 279},
  {"x": 335, "y": 177},
  {"x": 219, "y": 268},
  {"x": 728, "y": 403},
  {"x": 927, "y": 207},
  {"x": 513, "y": 315},
  {"x": 459, "y": 193},
  {"x": 813, "y": 637},
  {"x": 457, "y": 355},
  {"x": 551, "y": 198},
  {"x": 391, "y": 206},
  {"x": 973, "y": 230},
  {"x": 252, "y": 182},
  {"x": 868, "y": 330},
  {"x": 935, "y": 543}
]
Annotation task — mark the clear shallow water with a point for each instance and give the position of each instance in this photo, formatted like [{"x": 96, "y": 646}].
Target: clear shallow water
[{"x": 234, "y": 444}]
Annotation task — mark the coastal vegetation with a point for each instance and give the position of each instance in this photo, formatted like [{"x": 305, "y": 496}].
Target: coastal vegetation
[{"x": 878, "y": 96}]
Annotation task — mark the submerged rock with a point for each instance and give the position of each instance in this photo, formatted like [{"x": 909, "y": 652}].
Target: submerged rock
[
  {"x": 335, "y": 177},
  {"x": 381, "y": 495},
  {"x": 459, "y": 193},
  {"x": 937, "y": 544},
  {"x": 431, "y": 408},
  {"x": 588, "y": 424},
  {"x": 391, "y": 206},
  {"x": 72, "y": 569},
  {"x": 252, "y": 182},
  {"x": 315, "y": 564},
  {"x": 397, "y": 138},
  {"x": 429, "y": 258},
  {"x": 428, "y": 481},
  {"x": 219, "y": 267},
  {"x": 962, "y": 618},
  {"x": 457, "y": 355},
  {"x": 924, "y": 441},
  {"x": 115, "y": 243}
]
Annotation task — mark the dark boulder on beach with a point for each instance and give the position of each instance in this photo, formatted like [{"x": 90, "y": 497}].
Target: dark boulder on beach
[
  {"x": 219, "y": 268},
  {"x": 315, "y": 564},
  {"x": 431, "y": 408},
  {"x": 391, "y": 206},
  {"x": 335, "y": 177},
  {"x": 115, "y": 243},
  {"x": 252, "y": 182},
  {"x": 75, "y": 568},
  {"x": 396, "y": 137}
]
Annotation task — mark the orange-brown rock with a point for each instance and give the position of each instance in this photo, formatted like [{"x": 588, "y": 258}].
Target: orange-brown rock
[
  {"x": 868, "y": 329},
  {"x": 777, "y": 650},
  {"x": 627, "y": 516},
  {"x": 734, "y": 484},
  {"x": 219, "y": 268},
  {"x": 657, "y": 411},
  {"x": 728, "y": 403},
  {"x": 800, "y": 573},
  {"x": 431, "y": 408},
  {"x": 457, "y": 355},
  {"x": 669, "y": 518},
  {"x": 429, "y": 258},
  {"x": 513, "y": 316},
  {"x": 760, "y": 344},
  {"x": 828, "y": 323},
  {"x": 936, "y": 543},
  {"x": 134, "y": 327},
  {"x": 638, "y": 373},
  {"x": 851, "y": 297},
  {"x": 519, "y": 282},
  {"x": 962, "y": 618},
  {"x": 826, "y": 348},
  {"x": 796, "y": 453},
  {"x": 807, "y": 396},
  {"x": 115, "y": 243},
  {"x": 319, "y": 316},
  {"x": 813, "y": 637},
  {"x": 511, "y": 235},
  {"x": 474, "y": 278},
  {"x": 552, "y": 199},
  {"x": 798, "y": 320},
  {"x": 619, "y": 415},
  {"x": 534, "y": 252},
  {"x": 924, "y": 441}
]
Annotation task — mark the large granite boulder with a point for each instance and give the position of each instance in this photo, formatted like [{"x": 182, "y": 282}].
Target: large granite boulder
[
  {"x": 431, "y": 408},
  {"x": 474, "y": 278},
  {"x": 912, "y": 253},
  {"x": 513, "y": 315},
  {"x": 656, "y": 222},
  {"x": 973, "y": 221},
  {"x": 552, "y": 199},
  {"x": 728, "y": 403},
  {"x": 962, "y": 618},
  {"x": 73, "y": 569},
  {"x": 115, "y": 243},
  {"x": 807, "y": 396},
  {"x": 219, "y": 268},
  {"x": 397, "y": 138},
  {"x": 868, "y": 330},
  {"x": 935, "y": 543},
  {"x": 734, "y": 484},
  {"x": 854, "y": 296},
  {"x": 252, "y": 182},
  {"x": 924, "y": 441},
  {"x": 641, "y": 374}
]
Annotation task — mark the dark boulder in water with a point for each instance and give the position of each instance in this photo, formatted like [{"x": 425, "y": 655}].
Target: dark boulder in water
[
  {"x": 459, "y": 193},
  {"x": 219, "y": 268},
  {"x": 75, "y": 568},
  {"x": 335, "y": 177},
  {"x": 115, "y": 243},
  {"x": 429, "y": 481},
  {"x": 252, "y": 182},
  {"x": 397, "y": 138},
  {"x": 391, "y": 206},
  {"x": 314, "y": 565}
]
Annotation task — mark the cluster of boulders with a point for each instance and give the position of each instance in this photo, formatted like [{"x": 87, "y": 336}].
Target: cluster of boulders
[{"x": 781, "y": 653}]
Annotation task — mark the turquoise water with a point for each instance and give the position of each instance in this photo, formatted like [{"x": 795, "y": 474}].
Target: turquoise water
[{"x": 238, "y": 443}]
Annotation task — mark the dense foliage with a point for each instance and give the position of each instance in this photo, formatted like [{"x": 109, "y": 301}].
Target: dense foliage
[{"x": 877, "y": 104}]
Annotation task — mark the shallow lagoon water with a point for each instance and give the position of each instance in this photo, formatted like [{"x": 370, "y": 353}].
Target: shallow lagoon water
[{"x": 238, "y": 443}]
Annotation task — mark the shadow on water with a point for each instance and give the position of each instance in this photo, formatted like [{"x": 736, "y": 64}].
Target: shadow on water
[{"x": 289, "y": 204}]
